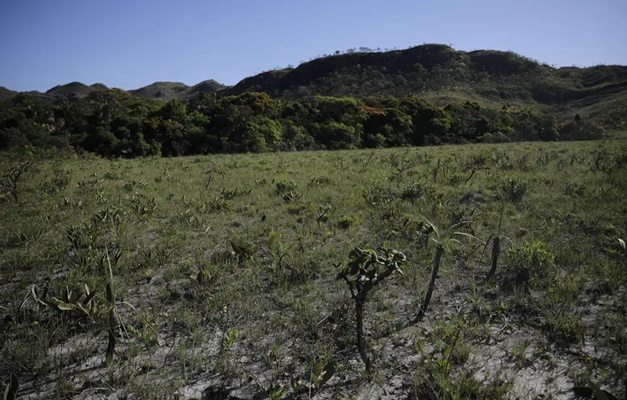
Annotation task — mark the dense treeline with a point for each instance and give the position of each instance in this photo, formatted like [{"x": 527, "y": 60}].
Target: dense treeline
[{"x": 114, "y": 123}]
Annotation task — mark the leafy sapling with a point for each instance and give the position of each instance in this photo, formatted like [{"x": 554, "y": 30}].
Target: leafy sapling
[
  {"x": 478, "y": 163},
  {"x": 229, "y": 335},
  {"x": 401, "y": 164},
  {"x": 13, "y": 176},
  {"x": 362, "y": 272}
]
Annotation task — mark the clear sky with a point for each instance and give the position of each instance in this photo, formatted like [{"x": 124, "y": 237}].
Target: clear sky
[{"x": 132, "y": 43}]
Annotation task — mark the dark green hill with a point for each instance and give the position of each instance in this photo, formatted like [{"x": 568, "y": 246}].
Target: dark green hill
[
  {"x": 394, "y": 73},
  {"x": 57, "y": 94},
  {"x": 270, "y": 82},
  {"x": 162, "y": 90},
  {"x": 176, "y": 90},
  {"x": 70, "y": 91},
  {"x": 70, "y": 88},
  {"x": 6, "y": 94},
  {"x": 441, "y": 75},
  {"x": 438, "y": 73},
  {"x": 208, "y": 86},
  {"x": 158, "y": 90},
  {"x": 501, "y": 63},
  {"x": 99, "y": 86}
]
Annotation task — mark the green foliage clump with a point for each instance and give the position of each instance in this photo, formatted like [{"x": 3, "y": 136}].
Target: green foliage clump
[
  {"x": 530, "y": 262},
  {"x": 413, "y": 192},
  {"x": 513, "y": 189},
  {"x": 533, "y": 254},
  {"x": 346, "y": 221},
  {"x": 59, "y": 180},
  {"x": 285, "y": 186}
]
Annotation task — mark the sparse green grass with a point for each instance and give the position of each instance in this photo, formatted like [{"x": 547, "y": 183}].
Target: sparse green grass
[{"x": 224, "y": 272}]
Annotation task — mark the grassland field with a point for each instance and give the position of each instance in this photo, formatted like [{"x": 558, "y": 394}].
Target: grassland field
[{"x": 215, "y": 276}]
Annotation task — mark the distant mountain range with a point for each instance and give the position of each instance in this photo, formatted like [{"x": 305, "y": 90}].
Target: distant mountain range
[
  {"x": 438, "y": 73},
  {"x": 158, "y": 90}
]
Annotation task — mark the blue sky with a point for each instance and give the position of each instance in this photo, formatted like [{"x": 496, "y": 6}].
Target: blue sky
[{"x": 132, "y": 43}]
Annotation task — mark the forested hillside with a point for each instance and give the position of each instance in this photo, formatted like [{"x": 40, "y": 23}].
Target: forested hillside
[
  {"x": 116, "y": 123},
  {"x": 425, "y": 95},
  {"x": 442, "y": 75}
]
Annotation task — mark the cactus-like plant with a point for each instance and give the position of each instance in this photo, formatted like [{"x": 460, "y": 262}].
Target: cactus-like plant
[
  {"x": 113, "y": 319},
  {"x": 444, "y": 242},
  {"x": 496, "y": 244}
]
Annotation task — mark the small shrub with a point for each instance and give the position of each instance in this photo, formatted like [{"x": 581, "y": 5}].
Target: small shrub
[
  {"x": 143, "y": 206},
  {"x": 413, "y": 192},
  {"x": 346, "y": 221},
  {"x": 513, "y": 189},
  {"x": 285, "y": 186},
  {"x": 218, "y": 204},
  {"x": 13, "y": 176},
  {"x": 376, "y": 194},
  {"x": 456, "y": 178},
  {"x": 242, "y": 249},
  {"x": 130, "y": 186},
  {"x": 111, "y": 176},
  {"x": 530, "y": 262},
  {"x": 231, "y": 194},
  {"x": 291, "y": 196},
  {"x": 59, "y": 181},
  {"x": 319, "y": 180},
  {"x": 296, "y": 209}
]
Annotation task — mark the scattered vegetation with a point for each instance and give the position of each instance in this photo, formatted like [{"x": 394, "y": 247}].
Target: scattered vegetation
[{"x": 144, "y": 278}]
